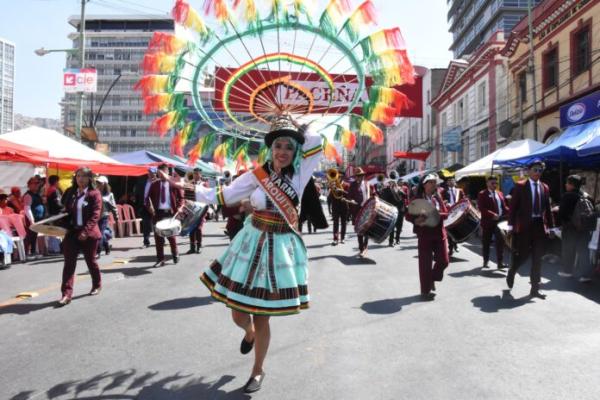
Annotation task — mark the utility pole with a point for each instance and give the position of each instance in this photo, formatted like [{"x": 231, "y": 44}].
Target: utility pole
[
  {"x": 79, "y": 119},
  {"x": 532, "y": 69}
]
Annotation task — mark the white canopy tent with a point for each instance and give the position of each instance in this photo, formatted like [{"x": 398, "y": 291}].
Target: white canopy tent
[
  {"x": 484, "y": 165},
  {"x": 56, "y": 144}
]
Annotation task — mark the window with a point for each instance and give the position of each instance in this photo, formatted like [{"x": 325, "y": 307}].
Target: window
[
  {"x": 550, "y": 68},
  {"x": 444, "y": 121},
  {"x": 522, "y": 81},
  {"x": 461, "y": 111},
  {"x": 482, "y": 96},
  {"x": 581, "y": 49},
  {"x": 484, "y": 145}
]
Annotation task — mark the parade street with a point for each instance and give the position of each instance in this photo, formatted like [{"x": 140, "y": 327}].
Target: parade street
[{"x": 154, "y": 333}]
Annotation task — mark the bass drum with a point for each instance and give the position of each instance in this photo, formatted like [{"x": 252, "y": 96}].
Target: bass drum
[
  {"x": 463, "y": 221},
  {"x": 376, "y": 219},
  {"x": 190, "y": 216},
  {"x": 168, "y": 227}
]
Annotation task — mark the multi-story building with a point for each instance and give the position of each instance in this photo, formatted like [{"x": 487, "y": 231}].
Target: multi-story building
[
  {"x": 472, "y": 106},
  {"x": 565, "y": 44},
  {"x": 473, "y": 22},
  {"x": 416, "y": 134},
  {"x": 7, "y": 85},
  {"x": 115, "y": 46}
]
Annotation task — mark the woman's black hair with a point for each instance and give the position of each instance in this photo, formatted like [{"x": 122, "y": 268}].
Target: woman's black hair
[
  {"x": 53, "y": 179},
  {"x": 86, "y": 172}
]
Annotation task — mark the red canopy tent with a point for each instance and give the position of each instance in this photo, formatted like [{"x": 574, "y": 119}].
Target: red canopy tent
[
  {"x": 421, "y": 156},
  {"x": 10, "y": 151}
]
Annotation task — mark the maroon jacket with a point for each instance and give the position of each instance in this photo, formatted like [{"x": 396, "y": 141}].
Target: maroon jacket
[
  {"x": 487, "y": 206},
  {"x": 459, "y": 194},
  {"x": 92, "y": 208},
  {"x": 437, "y": 232},
  {"x": 175, "y": 193},
  {"x": 521, "y": 207}
]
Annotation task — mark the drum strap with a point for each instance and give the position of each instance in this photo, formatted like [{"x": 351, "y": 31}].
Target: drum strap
[{"x": 280, "y": 200}]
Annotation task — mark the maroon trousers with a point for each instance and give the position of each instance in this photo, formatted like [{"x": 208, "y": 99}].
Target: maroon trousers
[
  {"x": 71, "y": 248},
  {"x": 196, "y": 236},
  {"x": 486, "y": 241},
  {"x": 159, "y": 241},
  {"x": 430, "y": 250},
  {"x": 532, "y": 242}
]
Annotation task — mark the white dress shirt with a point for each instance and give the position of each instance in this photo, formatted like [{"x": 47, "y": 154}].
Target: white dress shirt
[
  {"x": 496, "y": 198},
  {"x": 80, "y": 201}
]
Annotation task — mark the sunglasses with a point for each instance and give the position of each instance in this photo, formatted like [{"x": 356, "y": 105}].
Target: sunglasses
[{"x": 537, "y": 170}]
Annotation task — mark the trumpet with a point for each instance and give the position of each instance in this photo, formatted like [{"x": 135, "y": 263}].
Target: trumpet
[{"x": 334, "y": 182}]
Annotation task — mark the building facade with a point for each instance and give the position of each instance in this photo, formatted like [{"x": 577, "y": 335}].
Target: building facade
[
  {"x": 115, "y": 46},
  {"x": 416, "y": 134},
  {"x": 565, "y": 43},
  {"x": 474, "y": 22},
  {"x": 7, "y": 85},
  {"x": 472, "y": 106}
]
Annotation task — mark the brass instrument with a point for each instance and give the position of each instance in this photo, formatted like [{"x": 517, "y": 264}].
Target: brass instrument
[
  {"x": 334, "y": 181},
  {"x": 380, "y": 178}
]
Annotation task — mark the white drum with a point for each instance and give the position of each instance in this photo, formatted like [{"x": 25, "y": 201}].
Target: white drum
[{"x": 168, "y": 227}]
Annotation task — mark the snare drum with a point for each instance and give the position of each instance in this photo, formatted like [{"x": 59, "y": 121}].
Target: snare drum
[
  {"x": 503, "y": 228},
  {"x": 376, "y": 219},
  {"x": 463, "y": 220},
  {"x": 190, "y": 216},
  {"x": 168, "y": 227}
]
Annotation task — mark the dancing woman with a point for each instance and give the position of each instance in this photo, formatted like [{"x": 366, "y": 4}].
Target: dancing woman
[{"x": 264, "y": 271}]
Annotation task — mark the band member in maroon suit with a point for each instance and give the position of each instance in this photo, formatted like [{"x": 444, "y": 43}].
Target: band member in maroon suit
[
  {"x": 338, "y": 209},
  {"x": 432, "y": 241},
  {"x": 196, "y": 234},
  {"x": 163, "y": 202},
  {"x": 530, "y": 221},
  {"x": 492, "y": 206},
  {"x": 360, "y": 192},
  {"x": 452, "y": 195},
  {"x": 83, "y": 203}
]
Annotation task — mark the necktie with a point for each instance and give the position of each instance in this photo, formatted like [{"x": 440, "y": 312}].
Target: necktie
[
  {"x": 536, "y": 200},
  {"x": 163, "y": 193},
  {"x": 495, "y": 202},
  {"x": 452, "y": 196}
]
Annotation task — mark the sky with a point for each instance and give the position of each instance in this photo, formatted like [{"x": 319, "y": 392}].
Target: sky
[{"x": 32, "y": 24}]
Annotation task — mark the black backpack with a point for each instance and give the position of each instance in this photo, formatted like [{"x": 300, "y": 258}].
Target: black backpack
[{"x": 584, "y": 216}]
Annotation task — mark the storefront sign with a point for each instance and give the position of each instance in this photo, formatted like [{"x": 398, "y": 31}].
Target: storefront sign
[
  {"x": 451, "y": 139},
  {"x": 582, "y": 110},
  {"x": 77, "y": 80}
]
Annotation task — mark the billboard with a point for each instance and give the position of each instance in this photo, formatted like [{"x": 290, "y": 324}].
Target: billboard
[
  {"x": 451, "y": 139},
  {"x": 344, "y": 90},
  {"x": 582, "y": 110},
  {"x": 76, "y": 80}
]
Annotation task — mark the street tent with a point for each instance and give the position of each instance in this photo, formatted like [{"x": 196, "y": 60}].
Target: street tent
[
  {"x": 590, "y": 149},
  {"x": 483, "y": 166},
  {"x": 415, "y": 174},
  {"x": 564, "y": 149},
  {"x": 50, "y": 148},
  {"x": 145, "y": 157}
]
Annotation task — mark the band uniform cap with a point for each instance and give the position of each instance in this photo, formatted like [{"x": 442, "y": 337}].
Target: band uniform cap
[
  {"x": 431, "y": 177},
  {"x": 492, "y": 178},
  {"x": 284, "y": 126},
  {"x": 102, "y": 179},
  {"x": 359, "y": 172},
  {"x": 536, "y": 161}
]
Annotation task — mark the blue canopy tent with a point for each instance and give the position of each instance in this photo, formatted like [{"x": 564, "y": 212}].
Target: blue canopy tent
[
  {"x": 142, "y": 157},
  {"x": 566, "y": 149}
]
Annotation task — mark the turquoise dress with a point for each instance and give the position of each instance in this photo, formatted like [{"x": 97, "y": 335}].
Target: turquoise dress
[{"x": 264, "y": 271}]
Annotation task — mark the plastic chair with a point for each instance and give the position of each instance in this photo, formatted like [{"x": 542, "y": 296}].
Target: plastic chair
[
  {"x": 136, "y": 223},
  {"x": 121, "y": 226}
]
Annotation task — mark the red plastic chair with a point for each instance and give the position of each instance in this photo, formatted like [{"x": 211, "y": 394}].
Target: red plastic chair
[
  {"x": 135, "y": 223},
  {"x": 121, "y": 226}
]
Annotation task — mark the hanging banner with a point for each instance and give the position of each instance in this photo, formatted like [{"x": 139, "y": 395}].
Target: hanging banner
[
  {"x": 451, "y": 140},
  {"x": 582, "y": 110},
  {"x": 76, "y": 80}
]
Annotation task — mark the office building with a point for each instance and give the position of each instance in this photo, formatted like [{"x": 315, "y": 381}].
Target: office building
[{"x": 7, "y": 85}]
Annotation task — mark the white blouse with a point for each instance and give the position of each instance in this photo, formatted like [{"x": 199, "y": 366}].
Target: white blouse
[{"x": 247, "y": 185}]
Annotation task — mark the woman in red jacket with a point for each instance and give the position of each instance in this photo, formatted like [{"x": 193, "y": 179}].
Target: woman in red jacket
[{"x": 83, "y": 203}]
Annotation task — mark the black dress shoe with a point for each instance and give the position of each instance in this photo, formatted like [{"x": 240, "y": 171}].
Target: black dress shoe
[
  {"x": 427, "y": 296},
  {"x": 536, "y": 293},
  {"x": 159, "y": 264},
  {"x": 502, "y": 266},
  {"x": 254, "y": 383},
  {"x": 95, "y": 291},
  {"x": 246, "y": 346},
  {"x": 198, "y": 250},
  {"x": 485, "y": 264},
  {"x": 510, "y": 278},
  {"x": 64, "y": 301},
  {"x": 176, "y": 259},
  {"x": 191, "y": 251}
]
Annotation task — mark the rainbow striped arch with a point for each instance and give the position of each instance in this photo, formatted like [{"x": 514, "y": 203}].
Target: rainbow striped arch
[{"x": 242, "y": 61}]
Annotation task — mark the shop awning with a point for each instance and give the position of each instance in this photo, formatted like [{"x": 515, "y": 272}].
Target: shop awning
[{"x": 564, "y": 149}]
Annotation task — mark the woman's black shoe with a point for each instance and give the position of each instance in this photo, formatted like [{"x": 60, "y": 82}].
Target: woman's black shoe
[
  {"x": 253, "y": 384},
  {"x": 246, "y": 347}
]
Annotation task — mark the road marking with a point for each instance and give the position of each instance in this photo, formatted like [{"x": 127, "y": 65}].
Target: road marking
[{"x": 24, "y": 295}]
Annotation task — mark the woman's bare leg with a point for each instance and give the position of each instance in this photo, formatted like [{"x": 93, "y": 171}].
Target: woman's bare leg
[
  {"x": 262, "y": 337},
  {"x": 244, "y": 321}
]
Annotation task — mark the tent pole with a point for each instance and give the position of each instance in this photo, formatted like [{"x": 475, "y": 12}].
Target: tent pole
[
  {"x": 561, "y": 177},
  {"x": 596, "y": 186}
]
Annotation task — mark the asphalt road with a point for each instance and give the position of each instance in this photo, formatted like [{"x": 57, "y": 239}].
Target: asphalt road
[{"x": 154, "y": 333}]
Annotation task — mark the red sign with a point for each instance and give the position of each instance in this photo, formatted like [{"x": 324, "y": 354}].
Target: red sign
[{"x": 335, "y": 101}]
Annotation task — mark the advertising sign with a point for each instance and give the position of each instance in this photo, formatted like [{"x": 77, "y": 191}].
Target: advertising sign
[
  {"x": 582, "y": 110},
  {"x": 77, "y": 80},
  {"x": 451, "y": 139},
  {"x": 345, "y": 87}
]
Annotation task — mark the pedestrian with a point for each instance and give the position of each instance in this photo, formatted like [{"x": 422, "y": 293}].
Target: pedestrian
[
  {"x": 34, "y": 210},
  {"x": 147, "y": 225},
  {"x": 163, "y": 201},
  {"x": 531, "y": 223},
  {"x": 5, "y": 209},
  {"x": 578, "y": 219},
  {"x": 338, "y": 206},
  {"x": 15, "y": 200},
  {"x": 83, "y": 204},
  {"x": 394, "y": 195},
  {"x": 54, "y": 207},
  {"x": 492, "y": 206},
  {"x": 359, "y": 192},
  {"x": 196, "y": 234},
  {"x": 432, "y": 240},
  {"x": 264, "y": 271},
  {"x": 109, "y": 206}
]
